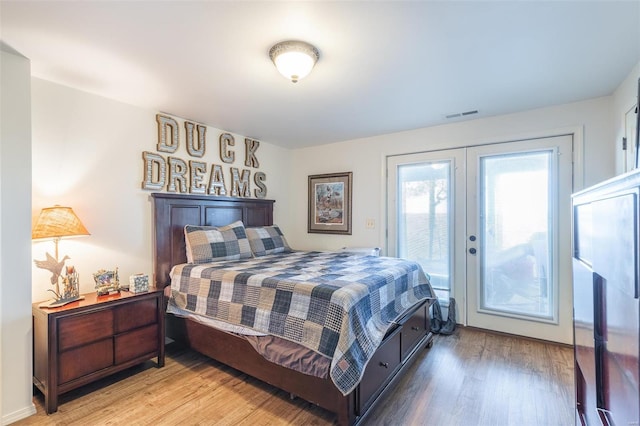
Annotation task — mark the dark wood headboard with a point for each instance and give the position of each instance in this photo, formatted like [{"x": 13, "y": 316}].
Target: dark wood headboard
[{"x": 173, "y": 211}]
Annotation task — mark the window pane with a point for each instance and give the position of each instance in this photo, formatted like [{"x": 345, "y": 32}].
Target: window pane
[
  {"x": 516, "y": 227},
  {"x": 423, "y": 220}
]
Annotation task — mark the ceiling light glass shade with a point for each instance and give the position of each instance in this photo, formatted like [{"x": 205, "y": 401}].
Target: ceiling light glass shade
[{"x": 294, "y": 59}]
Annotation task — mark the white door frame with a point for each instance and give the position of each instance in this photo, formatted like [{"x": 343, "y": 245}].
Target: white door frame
[{"x": 577, "y": 135}]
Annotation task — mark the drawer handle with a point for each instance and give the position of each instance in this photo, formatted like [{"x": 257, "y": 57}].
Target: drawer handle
[
  {"x": 414, "y": 328},
  {"x": 384, "y": 364}
]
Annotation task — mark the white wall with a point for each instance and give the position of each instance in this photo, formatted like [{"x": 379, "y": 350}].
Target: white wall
[
  {"x": 366, "y": 159},
  {"x": 87, "y": 154},
  {"x": 624, "y": 98},
  {"x": 15, "y": 236}
]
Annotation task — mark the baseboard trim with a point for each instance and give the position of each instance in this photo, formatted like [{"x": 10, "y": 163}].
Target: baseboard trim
[{"x": 23, "y": 413}]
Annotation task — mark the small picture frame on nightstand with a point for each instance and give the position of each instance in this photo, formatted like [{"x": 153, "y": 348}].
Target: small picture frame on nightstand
[{"x": 107, "y": 282}]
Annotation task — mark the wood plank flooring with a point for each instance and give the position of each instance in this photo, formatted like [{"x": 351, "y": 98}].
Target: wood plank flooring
[{"x": 469, "y": 378}]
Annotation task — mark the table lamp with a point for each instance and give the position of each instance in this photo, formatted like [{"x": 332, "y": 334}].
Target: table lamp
[{"x": 55, "y": 223}]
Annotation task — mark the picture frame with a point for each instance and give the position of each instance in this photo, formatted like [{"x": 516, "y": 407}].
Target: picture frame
[
  {"x": 330, "y": 203},
  {"x": 107, "y": 282}
]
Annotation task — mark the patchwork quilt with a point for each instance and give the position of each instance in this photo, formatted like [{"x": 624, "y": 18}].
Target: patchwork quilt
[{"x": 337, "y": 304}]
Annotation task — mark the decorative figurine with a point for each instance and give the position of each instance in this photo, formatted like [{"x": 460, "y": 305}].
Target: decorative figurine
[{"x": 52, "y": 265}]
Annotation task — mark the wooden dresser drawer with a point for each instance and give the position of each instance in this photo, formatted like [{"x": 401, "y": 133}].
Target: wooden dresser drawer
[
  {"x": 77, "y": 362},
  {"x": 138, "y": 314},
  {"x": 78, "y": 330},
  {"x": 380, "y": 369},
  {"x": 136, "y": 343},
  {"x": 413, "y": 330}
]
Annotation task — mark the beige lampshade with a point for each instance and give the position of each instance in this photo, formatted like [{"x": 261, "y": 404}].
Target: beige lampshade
[{"x": 57, "y": 222}]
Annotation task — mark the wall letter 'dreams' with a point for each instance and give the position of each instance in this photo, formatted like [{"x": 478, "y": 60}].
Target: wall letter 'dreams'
[
  {"x": 198, "y": 168},
  {"x": 155, "y": 171},
  {"x": 191, "y": 176},
  {"x": 177, "y": 175},
  {"x": 240, "y": 184},
  {"x": 216, "y": 181}
]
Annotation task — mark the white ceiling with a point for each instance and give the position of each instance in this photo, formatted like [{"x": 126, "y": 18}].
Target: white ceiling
[{"x": 384, "y": 66}]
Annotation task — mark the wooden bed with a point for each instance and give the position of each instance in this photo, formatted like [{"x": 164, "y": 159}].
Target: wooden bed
[{"x": 399, "y": 348}]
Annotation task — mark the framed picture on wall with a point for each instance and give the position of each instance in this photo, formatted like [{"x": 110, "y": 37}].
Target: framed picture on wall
[{"x": 330, "y": 203}]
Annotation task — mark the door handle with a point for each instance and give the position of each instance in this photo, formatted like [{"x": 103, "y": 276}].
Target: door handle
[{"x": 472, "y": 250}]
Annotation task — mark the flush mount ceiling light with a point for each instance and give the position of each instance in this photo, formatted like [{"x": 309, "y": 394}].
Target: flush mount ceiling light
[{"x": 294, "y": 59}]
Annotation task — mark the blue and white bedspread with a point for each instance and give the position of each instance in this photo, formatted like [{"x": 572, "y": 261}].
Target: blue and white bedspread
[{"x": 337, "y": 304}]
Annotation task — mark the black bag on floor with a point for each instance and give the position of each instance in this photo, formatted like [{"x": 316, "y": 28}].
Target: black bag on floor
[
  {"x": 436, "y": 317},
  {"x": 449, "y": 326}
]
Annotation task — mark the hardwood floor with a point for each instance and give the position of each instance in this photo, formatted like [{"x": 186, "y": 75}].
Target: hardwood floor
[{"x": 469, "y": 378}]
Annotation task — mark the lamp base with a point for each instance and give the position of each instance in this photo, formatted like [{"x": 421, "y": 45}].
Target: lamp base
[{"x": 55, "y": 303}]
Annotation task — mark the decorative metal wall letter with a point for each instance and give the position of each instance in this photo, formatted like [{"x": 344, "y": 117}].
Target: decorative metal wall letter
[
  {"x": 177, "y": 175},
  {"x": 169, "y": 123},
  {"x": 216, "y": 181},
  {"x": 258, "y": 179},
  {"x": 192, "y": 149},
  {"x": 240, "y": 184},
  {"x": 198, "y": 169},
  {"x": 250, "y": 159},
  {"x": 227, "y": 140},
  {"x": 155, "y": 171}
]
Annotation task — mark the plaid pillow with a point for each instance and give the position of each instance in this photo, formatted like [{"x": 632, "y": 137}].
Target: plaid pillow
[
  {"x": 208, "y": 243},
  {"x": 267, "y": 240}
]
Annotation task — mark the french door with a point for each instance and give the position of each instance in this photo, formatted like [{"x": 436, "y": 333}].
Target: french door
[{"x": 491, "y": 226}]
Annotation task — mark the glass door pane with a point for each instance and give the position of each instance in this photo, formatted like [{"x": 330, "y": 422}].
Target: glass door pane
[
  {"x": 424, "y": 220},
  {"x": 516, "y": 225},
  {"x": 519, "y": 237}
]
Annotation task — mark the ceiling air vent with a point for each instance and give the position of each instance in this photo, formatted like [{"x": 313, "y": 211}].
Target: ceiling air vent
[{"x": 461, "y": 114}]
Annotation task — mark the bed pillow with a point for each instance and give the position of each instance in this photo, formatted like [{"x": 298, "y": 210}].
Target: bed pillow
[
  {"x": 210, "y": 243},
  {"x": 266, "y": 240}
]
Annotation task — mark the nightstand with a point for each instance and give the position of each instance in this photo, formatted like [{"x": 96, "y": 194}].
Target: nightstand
[{"x": 89, "y": 339}]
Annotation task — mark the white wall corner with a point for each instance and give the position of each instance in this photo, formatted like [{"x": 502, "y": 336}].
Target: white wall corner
[{"x": 15, "y": 237}]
